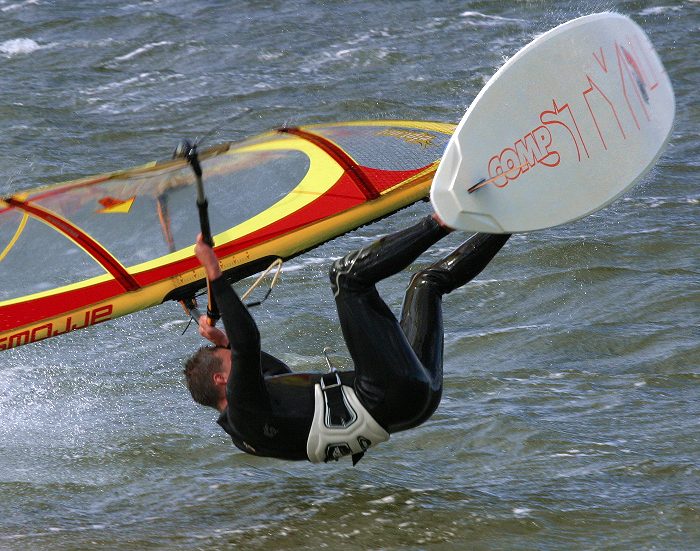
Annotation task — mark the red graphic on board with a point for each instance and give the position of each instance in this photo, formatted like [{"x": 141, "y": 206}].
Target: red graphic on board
[{"x": 617, "y": 90}]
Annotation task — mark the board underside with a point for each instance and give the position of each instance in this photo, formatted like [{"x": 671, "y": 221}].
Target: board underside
[{"x": 566, "y": 126}]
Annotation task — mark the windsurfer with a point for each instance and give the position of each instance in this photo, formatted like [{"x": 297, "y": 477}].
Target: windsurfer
[{"x": 396, "y": 383}]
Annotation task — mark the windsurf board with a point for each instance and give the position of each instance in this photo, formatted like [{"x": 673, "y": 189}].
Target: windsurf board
[{"x": 565, "y": 127}]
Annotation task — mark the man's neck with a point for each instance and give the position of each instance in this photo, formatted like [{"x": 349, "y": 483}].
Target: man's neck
[{"x": 222, "y": 405}]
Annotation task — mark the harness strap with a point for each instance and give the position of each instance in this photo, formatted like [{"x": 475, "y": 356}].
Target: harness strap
[
  {"x": 338, "y": 414},
  {"x": 341, "y": 425}
]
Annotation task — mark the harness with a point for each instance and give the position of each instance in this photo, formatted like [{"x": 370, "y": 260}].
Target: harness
[{"x": 341, "y": 425}]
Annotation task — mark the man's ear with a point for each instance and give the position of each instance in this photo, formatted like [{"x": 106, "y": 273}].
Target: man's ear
[{"x": 219, "y": 378}]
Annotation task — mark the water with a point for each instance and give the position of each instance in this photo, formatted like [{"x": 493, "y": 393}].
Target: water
[{"x": 570, "y": 416}]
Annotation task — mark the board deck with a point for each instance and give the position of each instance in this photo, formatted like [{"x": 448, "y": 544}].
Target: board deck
[{"x": 566, "y": 126}]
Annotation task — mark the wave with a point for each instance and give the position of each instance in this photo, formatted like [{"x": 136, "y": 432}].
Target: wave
[
  {"x": 142, "y": 50},
  {"x": 655, "y": 202},
  {"x": 659, "y": 10},
  {"x": 18, "y": 46},
  {"x": 19, "y": 5},
  {"x": 479, "y": 19}
]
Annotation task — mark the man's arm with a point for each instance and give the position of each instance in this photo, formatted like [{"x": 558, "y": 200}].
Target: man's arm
[
  {"x": 241, "y": 331},
  {"x": 213, "y": 334}
]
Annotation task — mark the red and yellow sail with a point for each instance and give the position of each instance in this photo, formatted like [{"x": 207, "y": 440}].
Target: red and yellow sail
[{"x": 83, "y": 252}]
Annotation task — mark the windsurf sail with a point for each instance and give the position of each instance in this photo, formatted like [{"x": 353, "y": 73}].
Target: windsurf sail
[{"x": 83, "y": 252}]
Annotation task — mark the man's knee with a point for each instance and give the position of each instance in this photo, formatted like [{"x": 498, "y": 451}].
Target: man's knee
[
  {"x": 341, "y": 273},
  {"x": 431, "y": 277},
  {"x": 334, "y": 274}
]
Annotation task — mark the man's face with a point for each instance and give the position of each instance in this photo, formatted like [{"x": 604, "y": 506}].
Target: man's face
[{"x": 221, "y": 377}]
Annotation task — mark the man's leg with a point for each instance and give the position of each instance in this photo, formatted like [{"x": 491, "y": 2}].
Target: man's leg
[
  {"x": 390, "y": 379},
  {"x": 385, "y": 257},
  {"x": 421, "y": 316}
]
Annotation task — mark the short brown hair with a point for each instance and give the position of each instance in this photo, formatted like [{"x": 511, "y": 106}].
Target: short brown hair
[{"x": 199, "y": 372}]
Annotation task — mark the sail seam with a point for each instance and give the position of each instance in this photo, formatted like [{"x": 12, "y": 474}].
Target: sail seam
[
  {"x": 82, "y": 239},
  {"x": 359, "y": 178}
]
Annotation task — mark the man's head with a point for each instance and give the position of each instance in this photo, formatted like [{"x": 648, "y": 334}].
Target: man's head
[{"x": 206, "y": 372}]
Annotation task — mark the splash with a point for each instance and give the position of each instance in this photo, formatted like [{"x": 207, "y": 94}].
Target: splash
[{"x": 18, "y": 46}]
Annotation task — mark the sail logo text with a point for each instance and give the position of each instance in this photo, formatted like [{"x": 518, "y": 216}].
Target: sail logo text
[
  {"x": 51, "y": 329},
  {"x": 422, "y": 139}
]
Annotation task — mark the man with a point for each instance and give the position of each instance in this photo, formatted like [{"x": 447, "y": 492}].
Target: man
[{"x": 397, "y": 381}]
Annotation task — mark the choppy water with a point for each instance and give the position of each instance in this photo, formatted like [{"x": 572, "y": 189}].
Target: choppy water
[{"x": 570, "y": 416}]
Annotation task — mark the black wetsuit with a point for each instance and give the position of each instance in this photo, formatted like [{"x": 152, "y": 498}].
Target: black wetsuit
[{"x": 398, "y": 365}]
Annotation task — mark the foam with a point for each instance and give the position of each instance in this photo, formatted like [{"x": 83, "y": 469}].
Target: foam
[{"x": 18, "y": 46}]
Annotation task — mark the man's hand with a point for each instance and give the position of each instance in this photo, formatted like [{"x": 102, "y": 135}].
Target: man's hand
[
  {"x": 212, "y": 334},
  {"x": 205, "y": 255}
]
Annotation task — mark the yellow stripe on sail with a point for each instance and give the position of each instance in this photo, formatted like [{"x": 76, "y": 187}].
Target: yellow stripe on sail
[{"x": 15, "y": 237}]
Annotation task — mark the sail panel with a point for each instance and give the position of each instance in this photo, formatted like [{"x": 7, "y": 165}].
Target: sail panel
[
  {"x": 37, "y": 258},
  {"x": 389, "y": 147},
  {"x": 132, "y": 215}
]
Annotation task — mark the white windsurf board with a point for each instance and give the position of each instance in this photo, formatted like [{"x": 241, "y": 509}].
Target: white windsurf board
[{"x": 562, "y": 129}]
